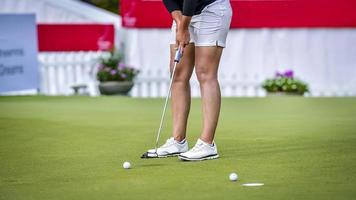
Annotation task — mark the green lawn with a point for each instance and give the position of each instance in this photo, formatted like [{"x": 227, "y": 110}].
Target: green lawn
[{"x": 74, "y": 147}]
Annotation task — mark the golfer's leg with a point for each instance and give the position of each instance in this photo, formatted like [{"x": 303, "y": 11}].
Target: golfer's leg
[
  {"x": 181, "y": 91},
  {"x": 206, "y": 67}
]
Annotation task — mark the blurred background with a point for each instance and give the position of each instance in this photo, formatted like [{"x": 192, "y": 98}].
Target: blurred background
[{"x": 94, "y": 47}]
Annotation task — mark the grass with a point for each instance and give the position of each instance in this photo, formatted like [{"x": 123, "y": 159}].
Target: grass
[{"x": 74, "y": 147}]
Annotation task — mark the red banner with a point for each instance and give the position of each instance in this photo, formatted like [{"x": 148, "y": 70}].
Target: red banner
[
  {"x": 75, "y": 37},
  {"x": 253, "y": 14}
]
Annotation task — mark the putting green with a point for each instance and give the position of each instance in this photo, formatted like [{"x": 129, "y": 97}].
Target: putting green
[{"x": 74, "y": 148}]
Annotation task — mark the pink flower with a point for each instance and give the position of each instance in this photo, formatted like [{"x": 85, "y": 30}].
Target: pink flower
[
  {"x": 121, "y": 66},
  {"x": 101, "y": 67},
  {"x": 113, "y": 72},
  {"x": 288, "y": 74}
]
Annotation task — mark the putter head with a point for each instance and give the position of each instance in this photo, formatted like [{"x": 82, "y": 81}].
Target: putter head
[{"x": 150, "y": 155}]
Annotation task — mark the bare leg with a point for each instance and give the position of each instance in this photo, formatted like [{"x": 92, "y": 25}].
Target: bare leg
[
  {"x": 181, "y": 91},
  {"x": 206, "y": 68}
]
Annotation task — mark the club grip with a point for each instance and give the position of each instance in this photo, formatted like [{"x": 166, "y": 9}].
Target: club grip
[{"x": 178, "y": 55}]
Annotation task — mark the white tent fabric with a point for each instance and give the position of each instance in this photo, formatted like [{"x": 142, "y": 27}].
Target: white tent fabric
[
  {"x": 324, "y": 58},
  {"x": 63, "y": 11},
  {"x": 54, "y": 11}
]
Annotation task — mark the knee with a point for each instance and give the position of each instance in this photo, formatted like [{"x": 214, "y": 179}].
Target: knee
[
  {"x": 205, "y": 75},
  {"x": 181, "y": 78}
]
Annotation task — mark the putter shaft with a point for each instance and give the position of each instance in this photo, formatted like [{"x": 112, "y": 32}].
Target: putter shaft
[{"x": 176, "y": 61}]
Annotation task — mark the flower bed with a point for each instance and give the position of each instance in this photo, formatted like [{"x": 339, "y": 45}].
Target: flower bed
[{"x": 285, "y": 83}]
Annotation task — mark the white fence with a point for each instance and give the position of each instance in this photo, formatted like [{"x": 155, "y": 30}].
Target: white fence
[
  {"x": 154, "y": 83},
  {"x": 60, "y": 71}
]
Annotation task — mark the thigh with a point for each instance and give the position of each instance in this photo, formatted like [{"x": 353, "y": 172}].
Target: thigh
[
  {"x": 186, "y": 64},
  {"x": 207, "y": 59}
]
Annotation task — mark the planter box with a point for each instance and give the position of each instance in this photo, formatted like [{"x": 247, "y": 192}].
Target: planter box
[
  {"x": 115, "y": 87},
  {"x": 284, "y": 94}
]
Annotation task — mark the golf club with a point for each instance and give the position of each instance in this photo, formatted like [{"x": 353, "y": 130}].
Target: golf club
[{"x": 154, "y": 154}]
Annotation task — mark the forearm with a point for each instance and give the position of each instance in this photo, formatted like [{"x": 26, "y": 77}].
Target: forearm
[
  {"x": 183, "y": 35},
  {"x": 184, "y": 22},
  {"x": 189, "y": 7},
  {"x": 181, "y": 20},
  {"x": 182, "y": 13},
  {"x": 179, "y": 9},
  {"x": 177, "y": 16}
]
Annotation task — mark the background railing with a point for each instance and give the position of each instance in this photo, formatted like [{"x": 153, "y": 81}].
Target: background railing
[{"x": 60, "y": 71}]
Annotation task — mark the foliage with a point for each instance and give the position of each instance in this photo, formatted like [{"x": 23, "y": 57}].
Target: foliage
[
  {"x": 110, "y": 5},
  {"x": 113, "y": 69},
  {"x": 285, "y": 82}
]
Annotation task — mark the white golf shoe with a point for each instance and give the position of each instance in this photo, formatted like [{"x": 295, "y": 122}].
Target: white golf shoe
[
  {"x": 201, "y": 151},
  {"x": 170, "y": 148}
]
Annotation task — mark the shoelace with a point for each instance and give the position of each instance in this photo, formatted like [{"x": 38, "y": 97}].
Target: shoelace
[
  {"x": 169, "y": 142},
  {"x": 197, "y": 147}
]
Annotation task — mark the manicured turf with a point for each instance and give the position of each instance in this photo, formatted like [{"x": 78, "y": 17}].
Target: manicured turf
[{"x": 74, "y": 147}]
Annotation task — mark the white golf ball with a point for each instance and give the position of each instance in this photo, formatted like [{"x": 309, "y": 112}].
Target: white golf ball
[
  {"x": 126, "y": 165},
  {"x": 233, "y": 177}
]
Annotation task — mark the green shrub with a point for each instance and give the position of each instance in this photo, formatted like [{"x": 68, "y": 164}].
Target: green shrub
[{"x": 285, "y": 82}]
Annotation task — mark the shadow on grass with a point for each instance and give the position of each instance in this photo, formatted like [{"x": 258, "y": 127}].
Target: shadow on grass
[{"x": 152, "y": 165}]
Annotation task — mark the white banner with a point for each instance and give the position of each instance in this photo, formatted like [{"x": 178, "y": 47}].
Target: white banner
[{"x": 18, "y": 53}]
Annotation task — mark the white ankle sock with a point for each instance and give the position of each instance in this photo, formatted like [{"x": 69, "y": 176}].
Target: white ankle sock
[{"x": 181, "y": 142}]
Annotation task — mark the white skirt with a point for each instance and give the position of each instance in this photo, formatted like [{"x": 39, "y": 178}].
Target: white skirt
[{"x": 210, "y": 27}]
